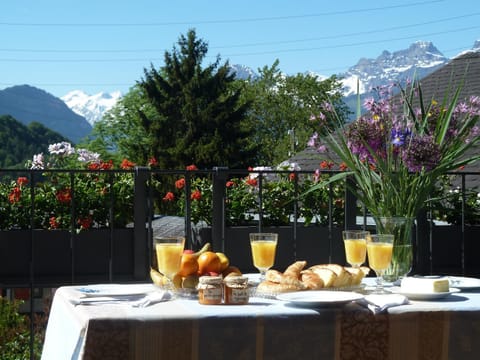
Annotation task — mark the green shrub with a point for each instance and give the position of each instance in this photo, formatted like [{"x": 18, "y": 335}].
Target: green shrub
[{"x": 15, "y": 333}]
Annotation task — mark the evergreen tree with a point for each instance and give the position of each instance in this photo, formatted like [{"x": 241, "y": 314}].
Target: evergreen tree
[{"x": 199, "y": 115}]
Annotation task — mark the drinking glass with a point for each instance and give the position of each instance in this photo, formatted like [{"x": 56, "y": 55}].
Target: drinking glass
[
  {"x": 379, "y": 250},
  {"x": 169, "y": 252},
  {"x": 263, "y": 247},
  {"x": 355, "y": 242}
]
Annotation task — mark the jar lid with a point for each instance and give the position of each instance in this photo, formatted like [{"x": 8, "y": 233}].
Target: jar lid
[
  {"x": 210, "y": 280},
  {"x": 236, "y": 279}
]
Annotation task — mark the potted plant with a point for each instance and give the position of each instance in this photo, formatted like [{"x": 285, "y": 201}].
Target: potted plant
[{"x": 396, "y": 153}]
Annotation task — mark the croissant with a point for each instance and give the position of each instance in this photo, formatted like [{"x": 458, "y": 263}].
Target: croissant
[
  {"x": 276, "y": 282},
  {"x": 273, "y": 276},
  {"x": 295, "y": 269}
]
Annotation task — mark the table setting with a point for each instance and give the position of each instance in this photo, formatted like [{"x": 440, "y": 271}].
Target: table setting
[{"x": 303, "y": 311}]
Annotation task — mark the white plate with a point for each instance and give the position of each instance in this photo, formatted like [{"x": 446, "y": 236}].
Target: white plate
[
  {"x": 464, "y": 283},
  {"x": 423, "y": 296},
  {"x": 114, "y": 290},
  {"x": 319, "y": 298}
]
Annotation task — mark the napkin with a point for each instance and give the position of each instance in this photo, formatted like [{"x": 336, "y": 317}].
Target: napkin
[{"x": 378, "y": 303}]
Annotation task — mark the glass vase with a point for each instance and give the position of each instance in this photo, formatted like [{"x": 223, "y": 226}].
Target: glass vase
[{"x": 402, "y": 255}]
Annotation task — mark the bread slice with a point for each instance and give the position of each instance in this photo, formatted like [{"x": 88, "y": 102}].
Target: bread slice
[
  {"x": 343, "y": 277},
  {"x": 366, "y": 270},
  {"x": 327, "y": 275},
  {"x": 311, "y": 280},
  {"x": 356, "y": 275}
]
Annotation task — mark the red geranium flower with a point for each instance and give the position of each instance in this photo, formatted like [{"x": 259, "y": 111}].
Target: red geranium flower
[
  {"x": 180, "y": 183},
  {"x": 191, "y": 167},
  {"x": 196, "y": 195},
  {"x": 152, "y": 162},
  {"x": 127, "y": 164},
  {"x": 94, "y": 166},
  {"x": 64, "y": 196},
  {"x": 22, "y": 180},
  {"x": 251, "y": 181},
  {"x": 343, "y": 166},
  {"x": 326, "y": 164},
  {"x": 106, "y": 165},
  {"x": 230, "y": 184},
  {"x": 85, "y": 222},
  {"x": 54, "y": 224},
  {"x": 15, "y": 195},
  {"x": 169, "y": 196}
]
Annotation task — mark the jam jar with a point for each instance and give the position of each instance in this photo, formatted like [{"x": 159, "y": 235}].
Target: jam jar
[
  {"x": 210, "y": 290},
  {"x": 236, "y": 290}
]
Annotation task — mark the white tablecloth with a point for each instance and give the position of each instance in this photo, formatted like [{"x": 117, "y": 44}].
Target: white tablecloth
[{"x": 448, "y": 328}]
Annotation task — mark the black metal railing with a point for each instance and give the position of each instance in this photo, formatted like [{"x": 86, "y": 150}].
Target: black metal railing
[
  {"x": 143, "y": 211},
  {"x": 143, "y": 205}
]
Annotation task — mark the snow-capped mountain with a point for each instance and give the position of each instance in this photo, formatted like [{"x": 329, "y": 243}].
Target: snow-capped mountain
[
  {"x": 91, "y": 107},
  {"x": 419, "y": 60},
  {"x": 243, "y": 72}
]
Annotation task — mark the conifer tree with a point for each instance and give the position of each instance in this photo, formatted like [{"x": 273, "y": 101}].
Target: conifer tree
[{"x": 199, "y": 113}]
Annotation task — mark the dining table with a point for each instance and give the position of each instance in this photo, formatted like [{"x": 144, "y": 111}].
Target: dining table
[{"x": 113, "y": 321}]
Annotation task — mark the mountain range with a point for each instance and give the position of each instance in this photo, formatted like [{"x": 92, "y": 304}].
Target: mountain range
[
  {"x": 418, "y": 60},
  {"x": 91, "y": 107},
  {"x": 29, "y": 104},
  {"x": 75, "y": 113}
]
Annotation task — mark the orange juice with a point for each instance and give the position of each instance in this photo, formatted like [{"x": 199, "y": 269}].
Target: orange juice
[
  {"x": 379, "y": 255},
  {"x": 169, "y": 257},
  {"x": 355, "y": 251},
  {"x": 263, "y": 253}
]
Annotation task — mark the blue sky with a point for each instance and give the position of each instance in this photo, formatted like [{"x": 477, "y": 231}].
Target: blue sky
[{"x": 104, "y": 45}]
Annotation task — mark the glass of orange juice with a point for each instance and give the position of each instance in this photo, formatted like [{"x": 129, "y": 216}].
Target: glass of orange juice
[
  {"x": 355, "y": 242},
  {"x": 263, "y": 246},
  {"x": 169, "y": 252},
  {"x": 379, "y": 250}
]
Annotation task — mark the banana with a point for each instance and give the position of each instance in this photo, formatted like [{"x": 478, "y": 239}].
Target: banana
[
  {"x": 158, "y": 278},
  {"x": 161, "y": 280},
  {"x": 204, "y": 248}
]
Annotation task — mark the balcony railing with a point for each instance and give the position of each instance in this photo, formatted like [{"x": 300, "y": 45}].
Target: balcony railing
[
  {"x": 143, "y": 210},
  {"x": 139, "y": 250}
]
